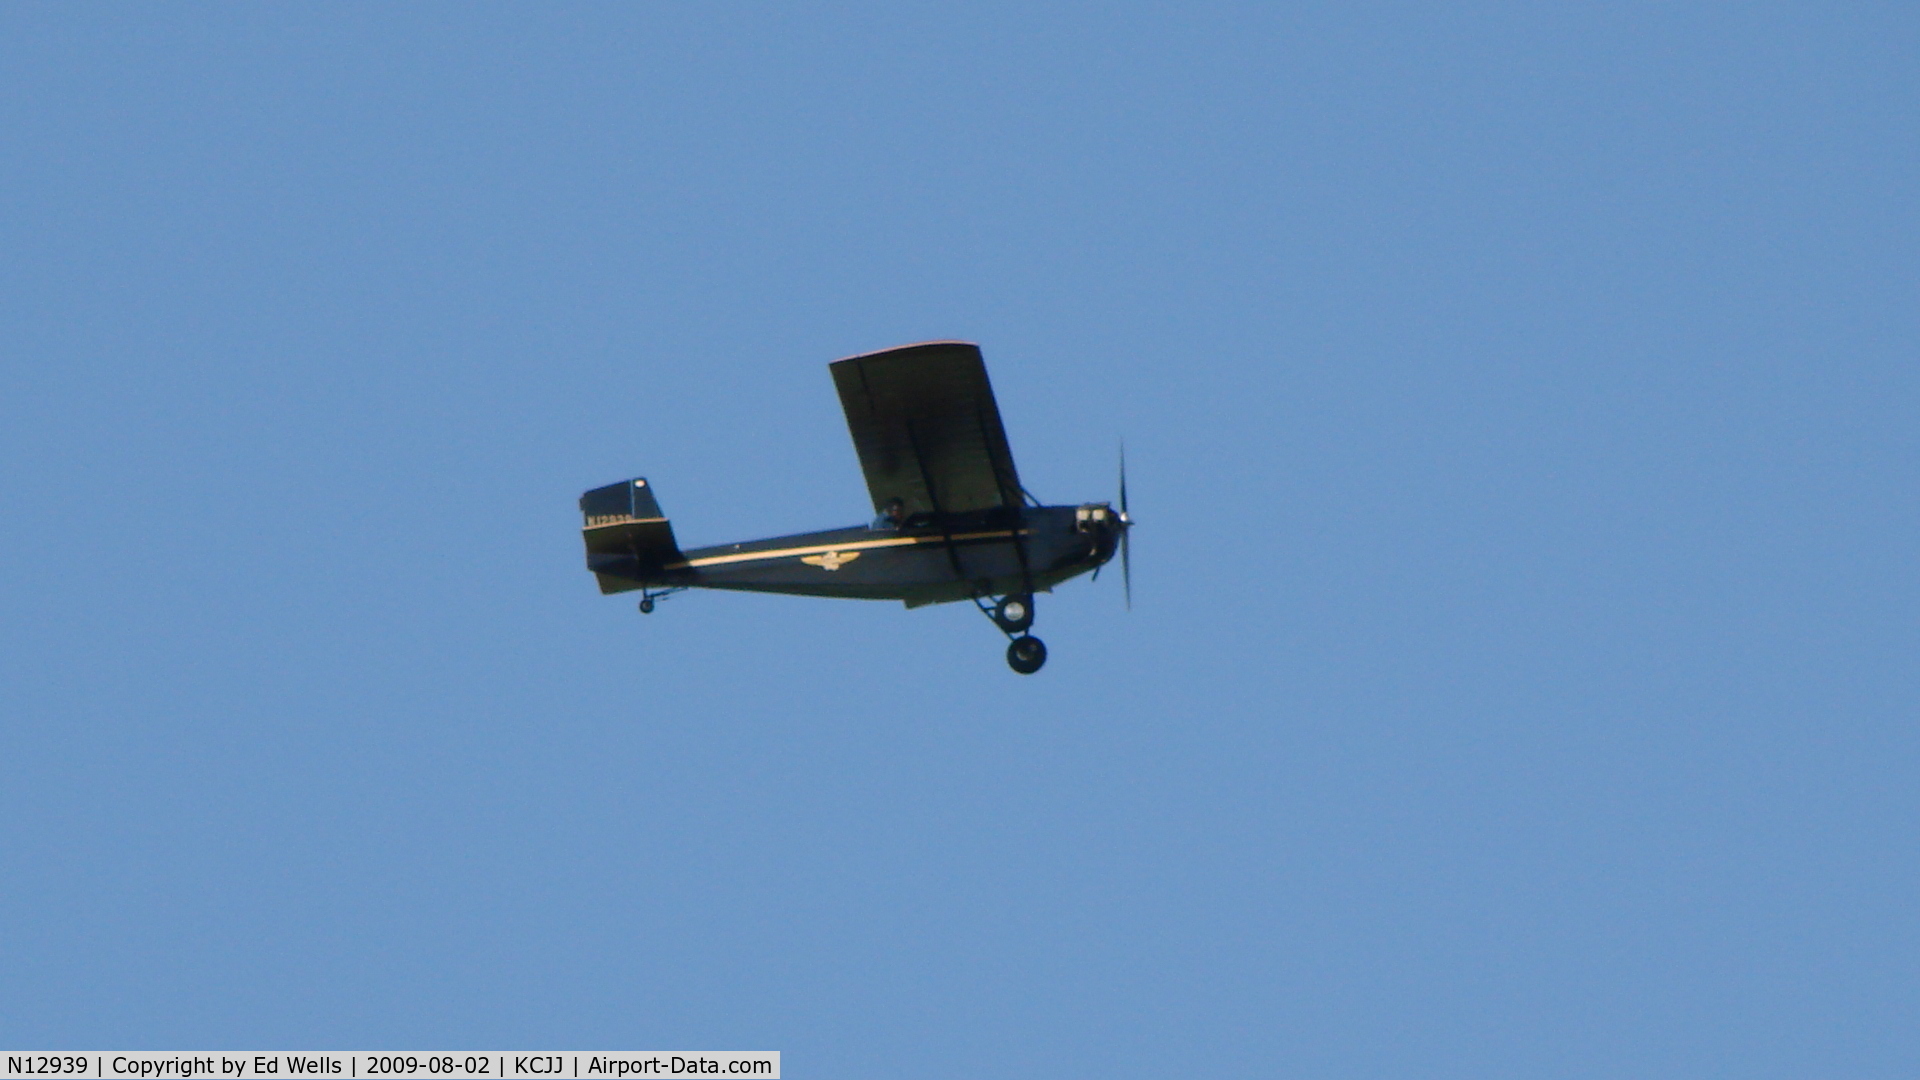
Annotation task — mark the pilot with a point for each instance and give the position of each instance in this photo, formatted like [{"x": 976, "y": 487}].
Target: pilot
[{"x": 894, "y": 516}]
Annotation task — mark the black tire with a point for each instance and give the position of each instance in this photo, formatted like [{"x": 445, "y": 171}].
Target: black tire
[
  {"x": 1014, "y": 614},
  {"x": 646, "y": 606},
  {"x": 1026, "y": 654}
]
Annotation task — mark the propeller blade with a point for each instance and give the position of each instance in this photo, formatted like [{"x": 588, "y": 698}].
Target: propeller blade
[{"x": 1126, "y": 530}]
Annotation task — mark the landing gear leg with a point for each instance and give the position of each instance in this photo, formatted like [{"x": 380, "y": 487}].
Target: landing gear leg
[
  {"x": 650, "y": 597},
  {"x": 1014, "y": 616}
]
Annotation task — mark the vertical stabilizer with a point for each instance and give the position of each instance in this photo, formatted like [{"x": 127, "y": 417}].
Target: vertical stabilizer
[{"x": 629, "y": 541}]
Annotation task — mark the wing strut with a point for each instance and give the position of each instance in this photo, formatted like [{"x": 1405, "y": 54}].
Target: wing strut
[
  {"x": 1012, "y": 498},
  {"x": 1003, "y": 478},
  {"x": 933, "y": 496}
]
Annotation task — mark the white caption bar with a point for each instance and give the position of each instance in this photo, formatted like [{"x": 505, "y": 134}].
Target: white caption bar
[{"x": 397, "y": 1065}]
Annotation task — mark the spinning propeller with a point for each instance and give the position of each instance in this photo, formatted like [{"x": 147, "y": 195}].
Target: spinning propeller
[{"x": 1126, "y": 526}]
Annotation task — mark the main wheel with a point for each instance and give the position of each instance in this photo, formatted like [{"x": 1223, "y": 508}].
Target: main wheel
[
  {"x": 646, "y": 606},
  {"x": 1026, "y": 654},
  {"x": 1014, "y": 614}
]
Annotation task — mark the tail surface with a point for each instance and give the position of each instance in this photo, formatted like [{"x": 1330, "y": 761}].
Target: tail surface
[{"x": 629, "y": 541}]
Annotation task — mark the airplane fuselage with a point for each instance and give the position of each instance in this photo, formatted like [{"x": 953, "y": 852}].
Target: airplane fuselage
[{"x": 923, "y": 562}]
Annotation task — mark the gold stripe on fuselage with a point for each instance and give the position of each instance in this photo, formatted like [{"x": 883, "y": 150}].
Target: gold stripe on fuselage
[{"x": 817, "y": 549}]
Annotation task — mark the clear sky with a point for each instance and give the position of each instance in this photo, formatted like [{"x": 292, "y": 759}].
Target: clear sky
[{"x": 1520, "y": 407}]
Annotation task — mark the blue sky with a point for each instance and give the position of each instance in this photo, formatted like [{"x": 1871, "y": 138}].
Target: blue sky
[{"x": 1519, "y": 403}]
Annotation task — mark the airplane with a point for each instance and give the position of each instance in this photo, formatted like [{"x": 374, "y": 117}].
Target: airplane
[{"x": 953, "y": 524}]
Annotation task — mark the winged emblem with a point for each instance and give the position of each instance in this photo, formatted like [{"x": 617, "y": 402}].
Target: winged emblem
[{"x": 832, "y": 560}]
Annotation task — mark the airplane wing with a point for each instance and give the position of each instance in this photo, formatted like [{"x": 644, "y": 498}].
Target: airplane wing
[{"x": 926, "y": 428}]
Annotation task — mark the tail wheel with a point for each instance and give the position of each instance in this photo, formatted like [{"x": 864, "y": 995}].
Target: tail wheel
[
  {"x": 1026, "y": 654},
  {"x": 646, "y": 606},
  {"x": 1014, "y": 614}
]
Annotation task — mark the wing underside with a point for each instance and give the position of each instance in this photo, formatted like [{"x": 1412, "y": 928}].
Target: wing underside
[{"x": 928, "y": 433}]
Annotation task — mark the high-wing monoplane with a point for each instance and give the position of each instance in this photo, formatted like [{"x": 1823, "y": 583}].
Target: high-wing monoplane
[{"x": 954, "y": 522}]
